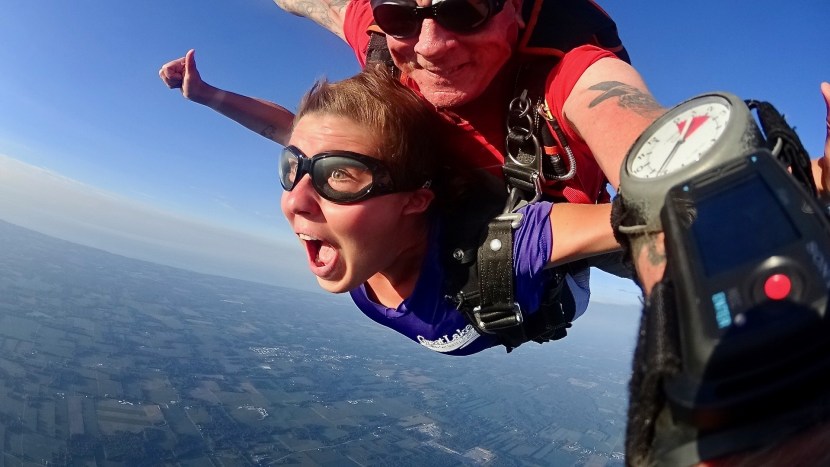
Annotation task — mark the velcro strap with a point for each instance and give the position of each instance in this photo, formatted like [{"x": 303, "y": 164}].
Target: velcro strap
[
  {"x": 498, "y": 309},
  {"x": 495, "y": 259}
]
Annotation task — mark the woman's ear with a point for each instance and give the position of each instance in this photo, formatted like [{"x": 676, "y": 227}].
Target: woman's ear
[{"x": 418, "y": 201}]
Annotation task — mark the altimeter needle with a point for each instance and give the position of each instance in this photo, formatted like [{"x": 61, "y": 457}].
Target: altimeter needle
[{"x": 687, "y": 124}]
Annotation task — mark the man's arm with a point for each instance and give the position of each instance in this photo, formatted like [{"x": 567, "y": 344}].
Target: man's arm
[
  {"x": 649, "y": 255},
  {"x": 609, "y": 107},
  {"x": 261, "y": 116},
  {"x": 330, "y": 14}
]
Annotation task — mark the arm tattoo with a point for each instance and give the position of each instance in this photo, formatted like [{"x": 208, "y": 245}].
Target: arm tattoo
[
  {"x": 655, "y": 257},
  {"x": 270, "y": 132},
  {"x": 315, "y": 10},
  {"x": 647, "y": 241},
  {"x": 629, "y": 97}
]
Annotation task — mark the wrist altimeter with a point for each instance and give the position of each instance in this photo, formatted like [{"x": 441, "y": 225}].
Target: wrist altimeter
[{"x": 693, "y": 137}]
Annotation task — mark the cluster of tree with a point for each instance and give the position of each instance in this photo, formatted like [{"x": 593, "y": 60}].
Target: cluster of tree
[{"x": 133, "y": 449}]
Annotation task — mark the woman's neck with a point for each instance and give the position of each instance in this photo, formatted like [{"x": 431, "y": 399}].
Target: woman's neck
[{"x": 396, "y": 282}]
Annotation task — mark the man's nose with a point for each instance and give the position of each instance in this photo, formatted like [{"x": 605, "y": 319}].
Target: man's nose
[{"x": 434, "y": 41}]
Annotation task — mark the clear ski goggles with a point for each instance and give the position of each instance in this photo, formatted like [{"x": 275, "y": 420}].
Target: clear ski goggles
[
  {"x": 341, "y": 177},
  {"x": 403, "y": 18}
]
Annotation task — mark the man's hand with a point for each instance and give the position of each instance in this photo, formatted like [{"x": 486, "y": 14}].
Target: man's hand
[
  {"x": 825, "y": 91},
  {"x": 183, "y": 74},
  {"x": 821, "y": 166}
]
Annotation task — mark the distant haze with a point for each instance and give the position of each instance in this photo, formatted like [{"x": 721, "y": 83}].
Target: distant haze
[
  {"x": 61, "y": 207},
  {"x": 50, "y": 203}
]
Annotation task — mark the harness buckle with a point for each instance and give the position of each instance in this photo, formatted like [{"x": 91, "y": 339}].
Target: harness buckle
[
  {"x": 515, "y": 219},
  {"x": 498, "y": 317}
]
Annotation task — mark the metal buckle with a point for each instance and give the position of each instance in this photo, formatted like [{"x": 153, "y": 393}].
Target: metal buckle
[
  {"x": 515, "y": 219},
  {"x": 490, "y": 327},
  {"x": 521, "y": 144}
]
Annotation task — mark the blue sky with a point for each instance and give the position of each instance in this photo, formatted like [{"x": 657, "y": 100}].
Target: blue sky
[{"x": 80, "y": 99}]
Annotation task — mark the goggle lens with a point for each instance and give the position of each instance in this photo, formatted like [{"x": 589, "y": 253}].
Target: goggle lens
[
  {"x": 403, "y": 19},
  {"x": 339, "y": 176},
  {"x": 342, "y": 177}
]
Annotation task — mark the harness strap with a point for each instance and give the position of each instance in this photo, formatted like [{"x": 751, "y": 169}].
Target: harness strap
[
  {"x": 478, "y": 259},
  {"x": 785, "y": 144},
  {"x": 535, "y": 141},
  {"x": 531, "y": 156},
  {"x": 377, "y": 53},
  {"x": 498, "y": 309}
]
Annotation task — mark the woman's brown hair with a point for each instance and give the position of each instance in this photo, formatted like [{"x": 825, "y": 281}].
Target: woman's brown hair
[{"x": 408, "y": 132}]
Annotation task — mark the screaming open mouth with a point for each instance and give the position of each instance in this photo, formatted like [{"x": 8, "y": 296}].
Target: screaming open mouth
[{"x": 322, "y": 256}]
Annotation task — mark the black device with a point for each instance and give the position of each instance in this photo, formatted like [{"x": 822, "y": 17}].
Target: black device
[
  {"x": 749, "y": 256},
  {"x": 734, "y": 346}
]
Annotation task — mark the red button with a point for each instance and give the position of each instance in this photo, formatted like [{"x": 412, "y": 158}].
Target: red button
[{"x": 778, "y": 286}]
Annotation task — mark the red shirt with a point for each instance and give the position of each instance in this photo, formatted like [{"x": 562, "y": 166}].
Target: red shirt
[{"x": 484, "y": 147}]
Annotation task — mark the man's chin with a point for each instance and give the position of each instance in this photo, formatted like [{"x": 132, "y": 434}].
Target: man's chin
[
  {"x": 444, "y": 98},
  {"x": 441, "y": 91}
]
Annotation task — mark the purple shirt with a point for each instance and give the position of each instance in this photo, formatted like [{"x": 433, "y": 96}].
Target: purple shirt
[{"x": 427, "y": 317}]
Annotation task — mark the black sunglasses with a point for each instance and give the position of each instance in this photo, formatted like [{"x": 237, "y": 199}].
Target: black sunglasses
[
  {"x": 341, "y": 177},
  {"x": 403, "y": 18}
]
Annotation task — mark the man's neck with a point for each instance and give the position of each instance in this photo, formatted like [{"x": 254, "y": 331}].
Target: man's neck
[{"x": 487, "y": 112}]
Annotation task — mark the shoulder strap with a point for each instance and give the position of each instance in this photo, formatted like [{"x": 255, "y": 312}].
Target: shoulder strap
[
  {"x": 556, "y": 26},
  {"x": 537, "y": 148},
  {"x": 377, "y": 53}
]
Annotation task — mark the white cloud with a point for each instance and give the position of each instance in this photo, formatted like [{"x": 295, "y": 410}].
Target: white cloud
[{"x": 47, "y": 202}]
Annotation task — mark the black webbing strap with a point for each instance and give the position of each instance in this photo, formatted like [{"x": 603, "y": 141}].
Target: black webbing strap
[
  {"x": 479, "y": 279},
  {"x": 656, "y": 357},
  {"x": 785, "y": 144},
  {"x": 377, "y": 53},
  {"x": 498, "y": 311}
]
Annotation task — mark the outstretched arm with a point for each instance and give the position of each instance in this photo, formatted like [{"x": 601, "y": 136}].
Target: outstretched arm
[
  {"x": 266, "y": 118},
  {"x": 329, "y": 14},
  {"x": 580, "y": 231},
  {"x": 609, "y": 107}
]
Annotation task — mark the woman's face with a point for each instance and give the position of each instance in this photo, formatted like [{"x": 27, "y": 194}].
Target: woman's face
[{"x": 345, "y": 244}]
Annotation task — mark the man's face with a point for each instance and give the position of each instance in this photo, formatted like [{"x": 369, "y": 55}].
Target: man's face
[{"x": 452, "y": 69}]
